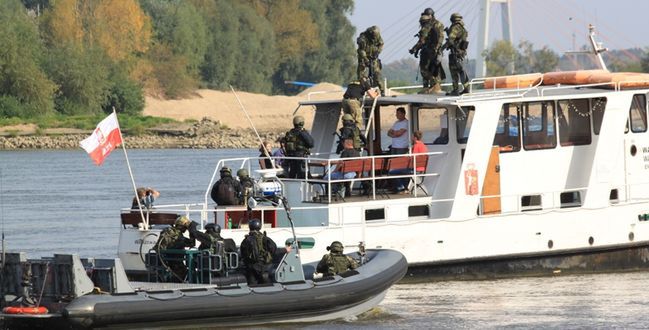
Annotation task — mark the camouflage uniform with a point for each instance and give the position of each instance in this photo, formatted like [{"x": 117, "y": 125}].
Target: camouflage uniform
[
  {"x": 335, "y": 262},
  {"x": 257, "y": 252},
  {"x": 429, "y": 47},
  {"x": 370, "y": 45},
  {"x": 352, "y": 100},
  {"x": 350, "y": 131},
  {"x": 172, "y": 238},
  {"x": 457, "y": 44},
  {"x": 298, "y": 143}
]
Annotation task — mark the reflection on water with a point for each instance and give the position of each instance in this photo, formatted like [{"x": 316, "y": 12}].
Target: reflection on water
[{"x": 58, "y": 201}]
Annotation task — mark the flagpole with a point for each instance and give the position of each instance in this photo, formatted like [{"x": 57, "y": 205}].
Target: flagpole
[{"x": 128, "y": 164}]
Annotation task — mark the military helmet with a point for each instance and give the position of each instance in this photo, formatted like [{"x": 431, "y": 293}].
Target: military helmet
[
  {"x": 348, "y": 117},
  {"x": 242, "y": 172},
  {"x": 425, "y": 18},
  {"x": 213, "y": 227},
  {"x": 226, "y": 170},
  {"x": 374, "y": 30},
  {"x": 182, "y": 221},
  {"x": 335, "y": 246},
  {"x": 456, "y": 17},
  {"x": 298, "y": 121},
  {"x": 429, "y": 11},
  {"x": 254, "y": 224}
]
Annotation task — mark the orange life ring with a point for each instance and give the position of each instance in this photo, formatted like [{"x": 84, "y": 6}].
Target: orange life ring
[{"x": 25, "y": 310}]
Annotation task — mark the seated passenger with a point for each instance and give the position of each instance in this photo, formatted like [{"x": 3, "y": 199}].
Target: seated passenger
[
  {"x": 257, "y": 252},
  {"x": 265, "y": 160},
  {"x": 172, "y": 238},
  {"x": 335, "y": 262},
  {"x": 226, "y": 191},
  {"x": 418, "y": 147},
  {"x": 334, "y": 173}
]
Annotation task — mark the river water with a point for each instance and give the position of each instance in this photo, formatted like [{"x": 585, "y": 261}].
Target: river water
[{"x": 59, "y": 201}]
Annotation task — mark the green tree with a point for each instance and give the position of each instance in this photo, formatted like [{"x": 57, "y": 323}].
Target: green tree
[
  {"x": 500, "y": 58},
  {"x": 334, "y": 60},
  {"x": 532, "y": 60},
  {"x": 22, "y": 79},
  {"x": 180, "y": 34}
]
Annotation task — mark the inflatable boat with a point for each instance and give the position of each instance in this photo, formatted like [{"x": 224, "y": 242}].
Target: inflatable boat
[{"x": 67, "y": 292}]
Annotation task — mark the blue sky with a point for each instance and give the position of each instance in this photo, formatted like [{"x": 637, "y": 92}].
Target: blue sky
[{"x": 620, "y": 24}]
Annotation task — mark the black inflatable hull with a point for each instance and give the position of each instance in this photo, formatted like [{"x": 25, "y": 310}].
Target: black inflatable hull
[{"x": 239, "y": 305}]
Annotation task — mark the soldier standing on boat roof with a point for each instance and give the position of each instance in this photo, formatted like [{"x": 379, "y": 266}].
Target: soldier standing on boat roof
[
  {"x": 457, "y": 44},
  {"x": 352, "y": 132},
  {"x": 335, "y": 262},
  {"x": 429, "y": 49},
  {"x": 298, "y": 143},
  {"x": 370, "y": 45},
  {"x": 257, "y": 252},
  {"x": 172, "y": 238}
]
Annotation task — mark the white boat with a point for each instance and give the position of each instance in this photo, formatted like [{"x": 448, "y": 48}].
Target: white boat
[{"x": 535, "y": 179}]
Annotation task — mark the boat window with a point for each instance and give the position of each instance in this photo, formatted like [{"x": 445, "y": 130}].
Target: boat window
[
  {"x": 418, "y": 210},
  {"x": 574, "y": 122},
  {"x": 374, "y": 214},
  {"x": 570, "y": 199},
  {"x": 434, "y": 124},
  {"x": 507, "y": 136},
  {"x": 638, "y": 113},
  {"x": 530, "y": 202},
  {"x": 464, "y": 119},
  {"x": 613, "y": 196},
  {"x": 538, "y": 126},
  {"x": 597, "y": 107}
]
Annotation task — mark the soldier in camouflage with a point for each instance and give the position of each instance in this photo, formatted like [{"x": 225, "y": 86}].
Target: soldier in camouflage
[
  {"x": 172, "y": 238},
  {"x": 457, "y": 44},
  {"x": 335, "y": 262},
  {"x": 257, "y": 252},
  {"x": 352, "y": 132},
  {"x": 429, "y": 48},
  {"x": 370, "y": 45},
  {"x": 247, "y": 185},
  {"x": 298, "y": 143}
]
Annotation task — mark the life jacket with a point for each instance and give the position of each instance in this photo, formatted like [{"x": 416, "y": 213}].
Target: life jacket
[
  {"x": 226, "y": 193},
  {"x": 254, "y": 250},
  {"x": 295, "y": 146}
]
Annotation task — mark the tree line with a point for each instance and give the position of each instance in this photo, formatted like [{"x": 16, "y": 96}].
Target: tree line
[{"x": 79, "y": 57}]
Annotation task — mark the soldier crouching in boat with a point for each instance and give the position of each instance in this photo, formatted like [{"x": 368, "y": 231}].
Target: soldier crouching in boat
[
  {"x": 172, "y": 238},
  {"x": 335, "y": 262}
]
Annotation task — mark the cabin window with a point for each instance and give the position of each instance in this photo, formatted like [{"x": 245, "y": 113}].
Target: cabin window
[
  {"x": 613, "y": 196},
  {"x": 638, "y": 113},
  {"x": 570, "y": 199},
  {"x": 538, "y": 126},
  {"x": 418, "y": 210},
  {"x": 433, "y": 123},
  {"x": 574, "y": 122},
  {"x": 374, "y": 214},
  {"x": 464, "y": 119},
  {"x": 597, "y": 107},
  {"x": 507, "y": 136},
  {"x": 530, "y": 202}
]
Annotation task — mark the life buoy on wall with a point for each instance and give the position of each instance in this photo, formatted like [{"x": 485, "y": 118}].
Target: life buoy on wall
[
  {"x": 25, "y": 310},
  {"x": 471, "y": 180}
]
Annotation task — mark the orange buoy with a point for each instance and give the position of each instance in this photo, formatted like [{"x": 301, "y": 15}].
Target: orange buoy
[
  {"x": 515, "y": 81},
  {"x": 25, "y": 310}
]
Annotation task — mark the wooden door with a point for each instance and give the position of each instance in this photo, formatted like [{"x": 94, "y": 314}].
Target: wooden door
[{"x": 491, "y": 187}]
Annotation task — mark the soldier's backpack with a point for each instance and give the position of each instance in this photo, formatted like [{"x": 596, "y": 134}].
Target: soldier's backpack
[
  {"x": 254, "y": 250},
  {"x": 226, "y": 194}
]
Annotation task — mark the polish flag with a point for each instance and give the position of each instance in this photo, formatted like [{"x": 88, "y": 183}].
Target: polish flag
[{"x": 103, "y": 140}]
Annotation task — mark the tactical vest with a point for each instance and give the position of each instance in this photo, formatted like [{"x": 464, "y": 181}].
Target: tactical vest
[
  {"x": 460, "y": 40},
  {"x": 295, "y": 146},
  {"x": 256, "y": 251},
  {"x": 216, "y": 246},
  {"x": 169, "y": 239},
  {"x": 226, "y": 194},
  {"x": 338, "y": 263},
  {"x": 351, "y": 132}
]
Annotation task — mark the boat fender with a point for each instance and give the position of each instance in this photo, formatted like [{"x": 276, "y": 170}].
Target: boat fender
[{"x": 25, "y": 310}]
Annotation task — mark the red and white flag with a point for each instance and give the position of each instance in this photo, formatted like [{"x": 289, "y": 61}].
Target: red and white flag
[{"x": 103, "y": 140}]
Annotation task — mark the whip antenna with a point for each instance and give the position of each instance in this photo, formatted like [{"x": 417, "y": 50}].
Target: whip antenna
[{"x": 266, "y": 151}]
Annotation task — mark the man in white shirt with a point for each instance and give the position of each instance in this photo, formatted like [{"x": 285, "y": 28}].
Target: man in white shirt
[{"x": 399, "y": 133}]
